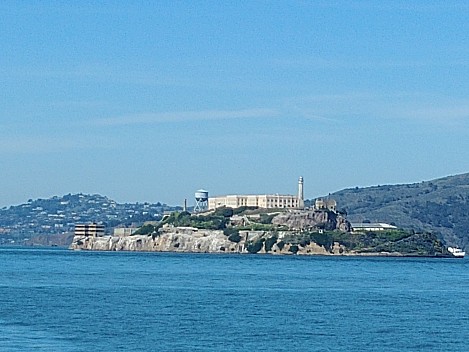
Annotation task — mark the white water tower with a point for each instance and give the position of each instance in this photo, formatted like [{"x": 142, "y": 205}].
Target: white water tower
[{"x": 201, "y": 200}]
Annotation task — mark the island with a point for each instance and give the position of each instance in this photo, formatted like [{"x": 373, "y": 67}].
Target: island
[{"x": 321, "y": 230}]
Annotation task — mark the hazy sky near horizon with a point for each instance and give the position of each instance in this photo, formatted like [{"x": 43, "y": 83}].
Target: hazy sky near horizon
[{"x": 150, "y": 101}]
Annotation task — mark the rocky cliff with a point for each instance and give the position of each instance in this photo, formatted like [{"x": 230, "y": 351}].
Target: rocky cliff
[
  {"x": 199, "y": 241},
  {"x": 326, "y": 220},
  {"x": 179, "y": 240},
  {"x": 193, "y": 240}
]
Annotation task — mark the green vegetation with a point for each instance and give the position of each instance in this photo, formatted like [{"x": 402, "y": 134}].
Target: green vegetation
[
  {"x": 405, "y": 242},
  {"x": 280, "y": 245},
  {"x": 412, "y": 244},
  {"x": 215, "y": 221},
  {"x": 230, "y": 230},
  {"x": 266, "y": 218},
  {"x": 325, "y": 240},
  {"x": 146, "y": 230},
  {"x": 269, "y": 243},
  {"x": 235, "y": 237},
  {"x": 371, "y": 240},
  {"x": 438, "y": 206},
  {"x": 225, "y": 212},
  {"x": 255, "y": 246},
  {"x": 243, "y": 210},
  {"x": 218, "y": 220}
]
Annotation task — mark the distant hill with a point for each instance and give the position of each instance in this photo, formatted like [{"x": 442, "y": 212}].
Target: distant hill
[
  {"x": 50, "y": 221},
  {"x": 440, "y": 206}
]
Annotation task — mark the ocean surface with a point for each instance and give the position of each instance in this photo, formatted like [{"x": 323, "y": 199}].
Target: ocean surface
[{"x": 61, "y": 300}]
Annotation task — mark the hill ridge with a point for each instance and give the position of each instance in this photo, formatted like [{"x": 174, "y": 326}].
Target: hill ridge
[
  {"x": 440, "y": 205},
  {"x": 46, "y": 218}
]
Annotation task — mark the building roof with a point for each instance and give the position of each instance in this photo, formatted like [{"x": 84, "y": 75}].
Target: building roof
[
  {"x": 364, "y": 225},
  {"x": 255, "y": 195}
]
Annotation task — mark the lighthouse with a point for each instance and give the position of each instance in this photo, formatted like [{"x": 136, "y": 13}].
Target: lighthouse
[{"x": 301, "y": 200}]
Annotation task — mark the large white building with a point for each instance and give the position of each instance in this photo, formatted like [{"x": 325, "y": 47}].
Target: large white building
[{"x": 260, "y": 200}]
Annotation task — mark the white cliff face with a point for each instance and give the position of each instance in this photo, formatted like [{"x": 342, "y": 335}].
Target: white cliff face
[
  {"x": 202, "y": 241},
  {"x": 199, "y": 241}
]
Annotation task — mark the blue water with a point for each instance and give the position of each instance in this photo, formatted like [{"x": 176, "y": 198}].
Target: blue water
[{"x": 60, "y": 300}]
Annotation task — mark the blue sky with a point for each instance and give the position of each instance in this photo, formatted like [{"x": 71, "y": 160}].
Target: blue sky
[{"x": 150, "y": 101}]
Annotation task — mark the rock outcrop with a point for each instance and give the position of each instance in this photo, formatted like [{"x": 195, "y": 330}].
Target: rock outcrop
[
  {"x": 203, "y": 241},
  {"x": 307, "y": 219},
  {"x": 178, "y": 240}
]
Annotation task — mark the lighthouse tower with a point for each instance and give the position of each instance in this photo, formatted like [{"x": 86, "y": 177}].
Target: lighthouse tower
[{"x": 301, "y": 200}]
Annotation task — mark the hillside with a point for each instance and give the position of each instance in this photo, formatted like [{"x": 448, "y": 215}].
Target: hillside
[
  {"x": 50, "y": 221},
  {"x": 440, "y": 206}
]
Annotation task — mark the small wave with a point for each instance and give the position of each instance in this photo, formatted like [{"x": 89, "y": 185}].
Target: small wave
[{"x": 20, "y": 337}]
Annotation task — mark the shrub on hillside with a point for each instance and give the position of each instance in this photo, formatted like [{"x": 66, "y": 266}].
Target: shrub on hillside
[
  {"x": 266, "y": 218},
  {"x": 280, "y": 245},
  {"x": 145, "y": 230},
  {"x": 241, "y": 210},
  {"x": 322, "y": 239},
  {"x": 255, "y": 246},
  {"x": 234, "y": 237},
  {"x": 269, "y": 243},
  {"x": 226, "y": 212},
  {"x": 230, "y": 230}
]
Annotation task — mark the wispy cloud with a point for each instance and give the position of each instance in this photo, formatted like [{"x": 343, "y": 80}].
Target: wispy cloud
[
  {"x": 396, "y": 5},
  {"x": 45, "y": 144},
  {"x": 410, "y": 106},
  {"x": 95, "y": 72},
  {"x": 155, "y": 118},
  {"x": 444, "y": 114},
  {"x": 307, "y": 113},
  {"x": 318, "y": 63},
  {"x": 79, "y": 104}
]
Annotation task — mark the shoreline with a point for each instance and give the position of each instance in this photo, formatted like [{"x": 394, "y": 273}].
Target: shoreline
[{"x": 215, "y": 242}]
